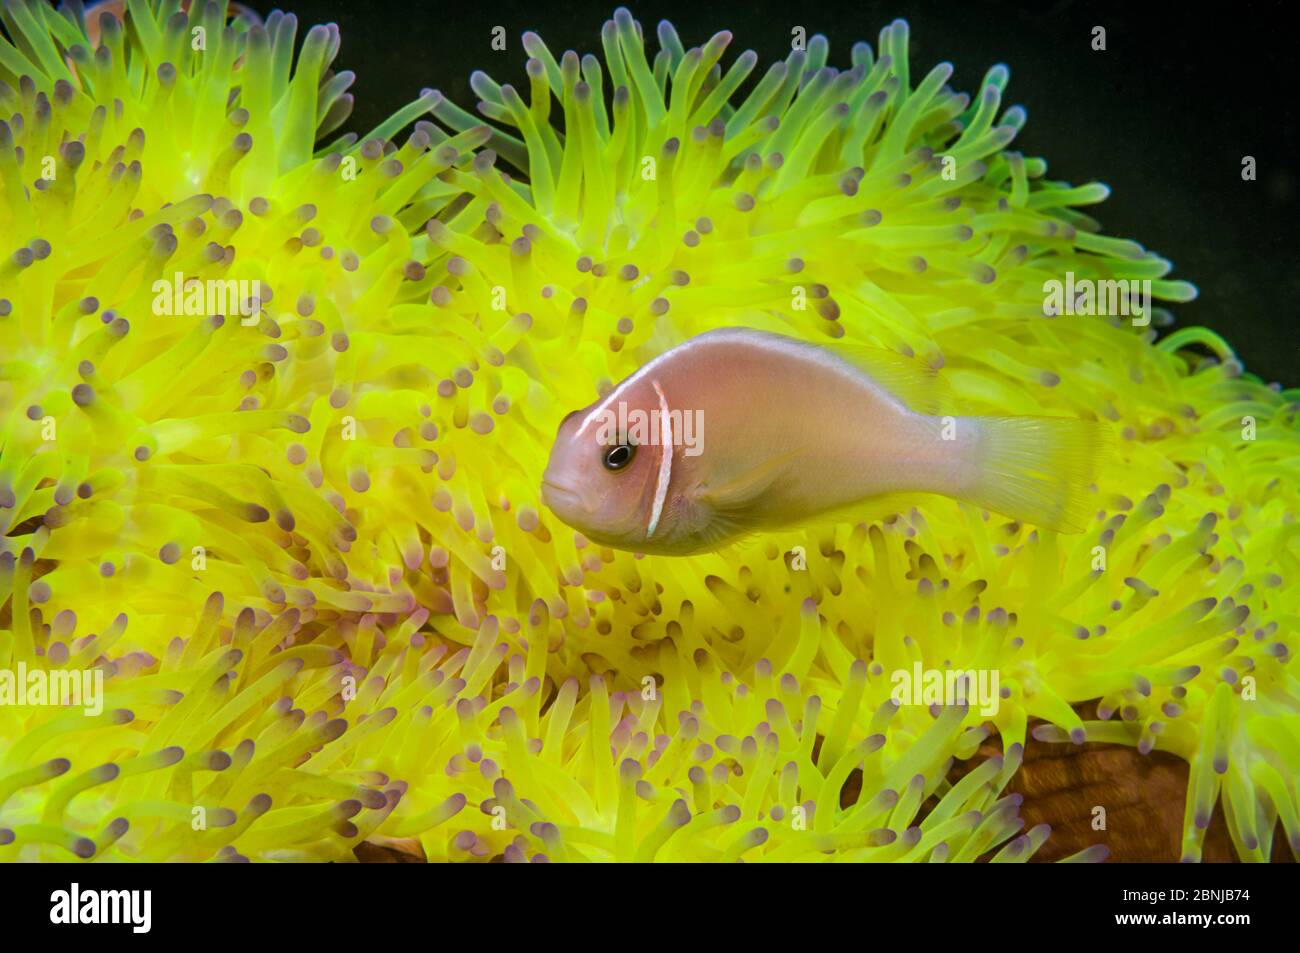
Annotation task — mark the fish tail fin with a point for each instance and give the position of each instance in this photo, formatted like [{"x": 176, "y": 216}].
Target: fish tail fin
[{"x": 1038, "y": 469}]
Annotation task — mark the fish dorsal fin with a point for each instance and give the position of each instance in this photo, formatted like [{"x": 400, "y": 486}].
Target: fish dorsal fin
[{"x": 914, "y": 383}]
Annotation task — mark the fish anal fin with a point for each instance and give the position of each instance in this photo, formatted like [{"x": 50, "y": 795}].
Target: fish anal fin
[{"x": 875, "y": 509}]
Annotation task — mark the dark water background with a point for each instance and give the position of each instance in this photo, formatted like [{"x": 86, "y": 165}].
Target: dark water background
[{"x": 1164, "y": 116}]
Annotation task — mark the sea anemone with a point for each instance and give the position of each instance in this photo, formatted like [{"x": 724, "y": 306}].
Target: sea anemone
[{"x": 301, "y": 537}]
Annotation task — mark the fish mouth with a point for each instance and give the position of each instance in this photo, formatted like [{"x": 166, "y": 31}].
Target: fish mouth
[{"x": 554, "y": 494}]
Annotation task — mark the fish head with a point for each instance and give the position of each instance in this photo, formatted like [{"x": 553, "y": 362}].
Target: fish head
[{"x": 603, "y": 472}]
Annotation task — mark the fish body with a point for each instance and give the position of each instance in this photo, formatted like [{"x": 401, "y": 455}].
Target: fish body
[{"x": 738, "y": 430}]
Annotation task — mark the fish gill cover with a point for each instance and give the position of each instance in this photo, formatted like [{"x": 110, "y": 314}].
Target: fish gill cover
[{"x": 297, "y": 533}]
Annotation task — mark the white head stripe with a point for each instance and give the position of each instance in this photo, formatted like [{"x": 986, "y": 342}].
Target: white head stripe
[{"x": 665, "y": 460}]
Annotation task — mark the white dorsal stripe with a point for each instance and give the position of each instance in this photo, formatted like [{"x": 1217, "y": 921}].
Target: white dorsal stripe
[
  {"x": 665, "y": 460},
  {"x": 766, "y": 340},
  {"x": 640, "y": 373}
]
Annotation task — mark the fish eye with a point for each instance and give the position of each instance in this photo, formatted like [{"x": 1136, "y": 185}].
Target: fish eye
[{"x": 618, "y": 457}]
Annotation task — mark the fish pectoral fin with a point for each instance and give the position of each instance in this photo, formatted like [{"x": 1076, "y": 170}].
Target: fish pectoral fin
[
  {"x": 721, "y": 530},
  {"x": 734, "y": 499}
]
